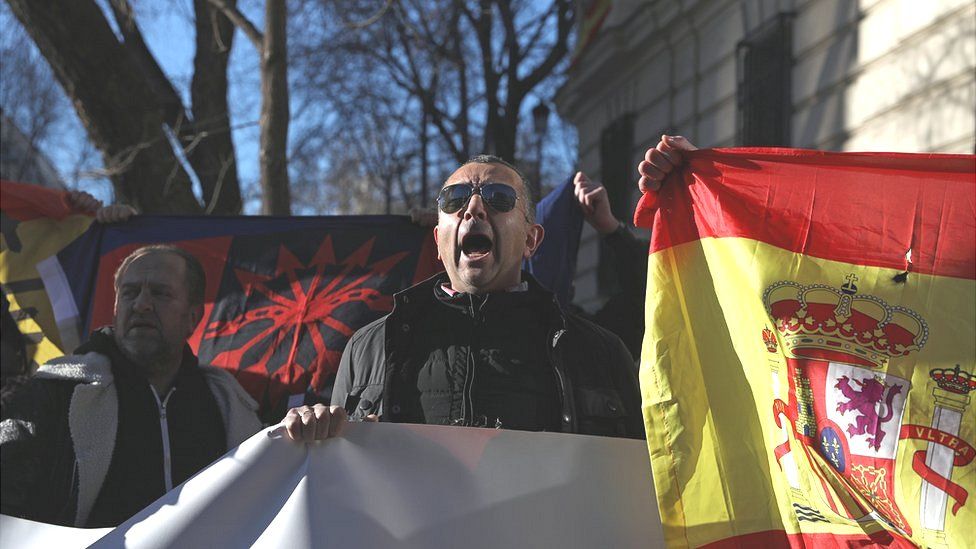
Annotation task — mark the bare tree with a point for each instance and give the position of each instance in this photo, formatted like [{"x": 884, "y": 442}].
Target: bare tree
[
  {"x": 130, "y": 109},
  {"x": 272, "y": 47},
  {"x": 31, "y": 103},
  {"x": 451, "y": 76}
]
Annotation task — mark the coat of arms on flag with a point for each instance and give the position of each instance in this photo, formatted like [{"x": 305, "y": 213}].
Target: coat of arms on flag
[
  {"x": 808, "y": 362},
  {"x": 842, "y": 406}
]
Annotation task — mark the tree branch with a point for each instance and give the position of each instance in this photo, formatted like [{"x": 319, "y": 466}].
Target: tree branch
[
  {"x": 135, "y": 46},
  {"x": 534, "y": 35},
  {"x": 242, "y": 22},
  {"x": 427, "y": 95},
  {"x": 564, "y": 19},
  {"x": 511, "y": 40},
  {"x": 371, "y": 19},
  {"x": 482, "y": 24}
]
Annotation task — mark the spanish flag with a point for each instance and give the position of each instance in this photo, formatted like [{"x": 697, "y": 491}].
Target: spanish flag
[{"x": 809, "y": 361}]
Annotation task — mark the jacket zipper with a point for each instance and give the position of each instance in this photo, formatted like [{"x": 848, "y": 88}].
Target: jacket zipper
[
  {"x": 467, "y": 395},
  {"x": 469, "y": 390},
  {"x": 467, "y": 407},
  {"x": 567, "y": 415},
  {"x": 164, "y": 429}
]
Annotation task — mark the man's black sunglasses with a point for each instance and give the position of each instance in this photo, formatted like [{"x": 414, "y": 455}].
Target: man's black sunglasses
[{"x": 499, "y": 196}]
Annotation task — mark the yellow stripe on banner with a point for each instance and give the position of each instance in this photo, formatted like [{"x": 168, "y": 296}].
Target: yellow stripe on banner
[
  {"x": 40, "y": 239},
  {"x": 709, "y": 385}
]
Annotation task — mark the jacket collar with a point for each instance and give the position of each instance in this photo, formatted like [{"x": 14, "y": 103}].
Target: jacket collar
[
  {"x": 418, "y": 298},
  {"x": 86, "y": 368}
]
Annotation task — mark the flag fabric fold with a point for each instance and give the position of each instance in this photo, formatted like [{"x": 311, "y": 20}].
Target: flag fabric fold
[{"x": 809, "y": 360}]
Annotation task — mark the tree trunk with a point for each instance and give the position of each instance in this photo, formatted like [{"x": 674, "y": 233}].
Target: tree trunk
[
  {"x": 275, "y": 111},
  {"x": 204, "y": 137},
  {"x": 504, "y": 137},
  {"x": 423, "y": 159},
  {"x": 114, "y": 101},
  {"x": 211, "y": 149}
]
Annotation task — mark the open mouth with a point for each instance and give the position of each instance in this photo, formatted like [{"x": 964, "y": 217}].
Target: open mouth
[{"x": 476, "y": 245}]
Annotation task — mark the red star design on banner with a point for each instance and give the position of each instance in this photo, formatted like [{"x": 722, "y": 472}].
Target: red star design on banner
[{"x": 297, "y": 315}]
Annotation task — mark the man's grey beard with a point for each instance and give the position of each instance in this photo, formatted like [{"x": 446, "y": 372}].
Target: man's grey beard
[{"x": 148, "y": 359}]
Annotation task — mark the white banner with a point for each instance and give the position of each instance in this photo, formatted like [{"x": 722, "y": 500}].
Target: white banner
[{"x": 388, "y": 485}]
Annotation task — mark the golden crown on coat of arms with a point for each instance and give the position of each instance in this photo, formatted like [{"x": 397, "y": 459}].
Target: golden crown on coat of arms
[
  {"x": 955, "y": 381},
  {"x": 829, "y": 323}
]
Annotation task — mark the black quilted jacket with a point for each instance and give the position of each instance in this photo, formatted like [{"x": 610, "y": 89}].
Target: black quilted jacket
[{"x": 595, "y": 376}]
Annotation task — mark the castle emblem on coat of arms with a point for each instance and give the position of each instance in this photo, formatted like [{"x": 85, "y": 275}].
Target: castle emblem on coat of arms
[{"x": 769, "y": 338}]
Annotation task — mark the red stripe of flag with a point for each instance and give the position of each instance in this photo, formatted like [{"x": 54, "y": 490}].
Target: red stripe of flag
[
  {"x": 24, "y": 202},
  {"x": 862, "y": 208}
]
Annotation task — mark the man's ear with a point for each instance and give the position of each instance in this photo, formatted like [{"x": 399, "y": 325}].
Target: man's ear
[
  {"x": 435, "y": 243},
  {"x": 533, "y": 239}
]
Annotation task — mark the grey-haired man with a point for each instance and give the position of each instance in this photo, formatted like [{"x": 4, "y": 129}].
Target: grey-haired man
[{"x": 96, "y": 436}]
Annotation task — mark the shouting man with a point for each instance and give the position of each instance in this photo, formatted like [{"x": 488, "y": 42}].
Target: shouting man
[{"x": 482, "y": 344}]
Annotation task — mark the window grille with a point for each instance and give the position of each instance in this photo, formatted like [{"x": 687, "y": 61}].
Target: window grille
[
  {"x": 618, "y": 169},
  {"x": 765, "y": 66}
]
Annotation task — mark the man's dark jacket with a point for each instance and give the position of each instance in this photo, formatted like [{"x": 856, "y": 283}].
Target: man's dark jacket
[
  {"x": 623, "y": 313},
  {"x": 386, "y": 366}
]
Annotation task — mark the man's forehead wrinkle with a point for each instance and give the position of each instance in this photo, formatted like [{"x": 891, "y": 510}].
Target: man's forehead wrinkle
[
  {"x": 145, "y": 281},
  {"x": 153, "y": 274},
  {"x": 156, "y": 272}
]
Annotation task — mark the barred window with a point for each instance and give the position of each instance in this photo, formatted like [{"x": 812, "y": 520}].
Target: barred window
[
  {"x": 765, "y": 66},
  {"x": 617, "y": 169}
]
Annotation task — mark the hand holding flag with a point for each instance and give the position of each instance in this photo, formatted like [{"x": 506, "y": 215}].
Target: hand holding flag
[{"x": 662, "y": 160}]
